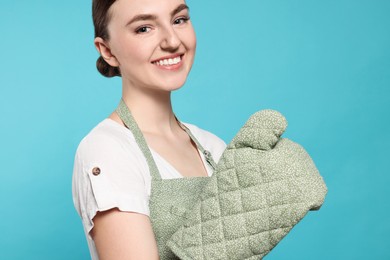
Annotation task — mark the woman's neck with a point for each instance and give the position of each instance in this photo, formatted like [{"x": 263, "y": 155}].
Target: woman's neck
[{"x": 152, "y": 110}]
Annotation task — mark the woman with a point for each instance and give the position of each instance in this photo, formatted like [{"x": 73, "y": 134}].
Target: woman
[{"x": 151, "y": 45}]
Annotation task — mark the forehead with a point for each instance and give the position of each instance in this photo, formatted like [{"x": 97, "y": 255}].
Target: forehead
[{"x": 125, "y": 9}]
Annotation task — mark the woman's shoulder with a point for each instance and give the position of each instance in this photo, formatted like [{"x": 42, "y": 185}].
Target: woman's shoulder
[
  {"x": 111, "y": 148},
  {"x": 106, "y": 136},
  {"x": 112, "y": 145},
  {"x": 203, "y": 134}
]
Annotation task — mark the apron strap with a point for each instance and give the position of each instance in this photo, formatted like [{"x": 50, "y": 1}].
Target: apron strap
[
  {"x": 207, "y": 154},
  {"x": 125, "y": 115}
]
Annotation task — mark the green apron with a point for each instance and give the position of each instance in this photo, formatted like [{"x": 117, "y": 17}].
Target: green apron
[{"x": 170, "y": 198}]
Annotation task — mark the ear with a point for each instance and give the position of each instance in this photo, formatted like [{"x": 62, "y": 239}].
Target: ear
[{"x": 104, "y": 49}]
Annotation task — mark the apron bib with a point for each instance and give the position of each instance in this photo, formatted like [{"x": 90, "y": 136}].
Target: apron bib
[{"x": 169, "y": 198}]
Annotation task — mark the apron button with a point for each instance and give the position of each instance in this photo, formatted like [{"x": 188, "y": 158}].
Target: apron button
[{"x": 96, "y": 171}]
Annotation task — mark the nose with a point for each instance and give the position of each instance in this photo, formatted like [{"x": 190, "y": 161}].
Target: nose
[{"x": 170, "y": 41}]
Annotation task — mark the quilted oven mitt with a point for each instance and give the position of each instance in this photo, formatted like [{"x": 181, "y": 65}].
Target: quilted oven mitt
[{"x": 262, "y": 186}]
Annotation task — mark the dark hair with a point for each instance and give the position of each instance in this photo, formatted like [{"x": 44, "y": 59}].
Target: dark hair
[{"x": 101, "y": 17}]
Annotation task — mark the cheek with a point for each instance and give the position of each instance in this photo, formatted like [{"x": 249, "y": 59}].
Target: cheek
[
  {"x": 133, "y": 51},
  {"x": 189, "y": 38},
  {"x": 128, "y": 48},
  {"x": 192, "y": 39}
]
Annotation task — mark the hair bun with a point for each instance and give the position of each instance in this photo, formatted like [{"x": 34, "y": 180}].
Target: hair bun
[{"x": 106, "y": 69}]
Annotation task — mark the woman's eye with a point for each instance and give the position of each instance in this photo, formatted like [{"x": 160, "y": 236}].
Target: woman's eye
[
  {"x": 181, "y": 20},
  {"x": 143, "y": 29}
]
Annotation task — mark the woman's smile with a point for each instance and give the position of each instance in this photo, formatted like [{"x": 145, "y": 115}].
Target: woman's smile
[{"x": 171, "y": 62}]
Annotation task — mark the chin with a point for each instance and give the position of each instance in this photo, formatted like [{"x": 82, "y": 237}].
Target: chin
[
  {"x": 173, "y": 87},
  {"x": 173, "y": 83}
]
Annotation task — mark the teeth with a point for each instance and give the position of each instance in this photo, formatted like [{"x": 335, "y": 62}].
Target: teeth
[{"x": 167, "y": 62}]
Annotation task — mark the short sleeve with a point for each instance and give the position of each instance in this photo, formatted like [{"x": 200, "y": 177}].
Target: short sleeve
[{"x": 107, "y": 174}]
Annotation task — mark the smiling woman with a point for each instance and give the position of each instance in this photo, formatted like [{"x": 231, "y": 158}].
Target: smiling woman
[{"x": 132, "y": 164}]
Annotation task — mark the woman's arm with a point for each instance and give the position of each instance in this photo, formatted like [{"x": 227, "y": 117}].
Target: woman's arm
[{"x": 124, "y": 236}]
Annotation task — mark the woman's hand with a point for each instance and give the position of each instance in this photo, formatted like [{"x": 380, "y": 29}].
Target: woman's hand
[{"x": 124, "y": 236}]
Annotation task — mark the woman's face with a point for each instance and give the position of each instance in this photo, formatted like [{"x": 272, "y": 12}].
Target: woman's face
[{"x": 152, "y": 41}]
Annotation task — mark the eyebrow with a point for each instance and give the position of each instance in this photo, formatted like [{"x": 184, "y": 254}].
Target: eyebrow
[
  {"x": 179, "y": 9},
  {"x": 143, "y": 17}
]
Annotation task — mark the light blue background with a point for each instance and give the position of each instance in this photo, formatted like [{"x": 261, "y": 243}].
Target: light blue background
[{"x": 324, "y": 64}]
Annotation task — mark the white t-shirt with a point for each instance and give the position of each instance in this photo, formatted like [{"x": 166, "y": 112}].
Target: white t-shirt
[{"x": 123, "y": 180}]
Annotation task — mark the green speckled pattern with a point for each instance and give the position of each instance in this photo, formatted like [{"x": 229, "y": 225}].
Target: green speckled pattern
[{"x": 262, "y": 186}]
